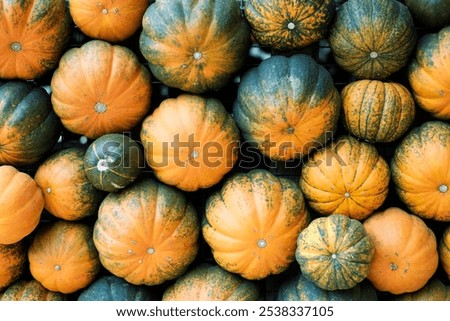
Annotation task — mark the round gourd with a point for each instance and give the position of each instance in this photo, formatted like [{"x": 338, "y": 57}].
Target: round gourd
[
  {"x": 252, "y": 223},
  {"x": 347, "y": 177},
  {"x": 113, "y": 161},
  {"x": 190, "y": 141},
  {"x": 372, "y": 39},
  {"x": 288, "y": 25},
  {"x": 444, "y": 251},
  {"x": 334, "y": 252},
  {"x": 21, "y": 205},
  {"x": 196, "y": 46},
  {"x": 100, "y": 88},
  {"x": 34, "y": 35},
  {"x": 420, "y": 172},
  {"x": 68, "y": 193},
  {"x": 29, "y": 127},
  {"x": 406, "y": 255},
  {"x": 434, "y": 290},
  {"x": 14, "y": 263},
  {"x": 280, "y": 112},
  {"x": 30, "y": 290},
  {"x": 430, "y": 13},
  {"x": 376, "y": 111},
  {"x": 147, "y": 233},
  {"x": 63, "y": 257}
]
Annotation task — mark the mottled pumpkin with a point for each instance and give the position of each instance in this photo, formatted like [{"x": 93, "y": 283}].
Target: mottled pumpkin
[
  {"x": 208, "y": 282},
  {"x": 100, "y": 88},
  {"x": 444, "y": 251},
  {"x": 406, "y": 255},
  {"x": 377, "y": 111},
  {"x": 430, "y": 13},
  {"x": 190, "y": 141},
  {"x": 147, "y": 233},
  {"x": 252, "y": 223},
  {"x": 420, "y": 172},
  {"x": 287, "y": 106},
  {"x": 34, "y": 35},
  {"x": 31, "y": 290},
  {"x": 196, "y": 46},
  {"x": 347, "y": 177},
  {"x": 13, "y": 258},
  {"x": 372, "y": 39},
  {"x": 434, "y": 290}
]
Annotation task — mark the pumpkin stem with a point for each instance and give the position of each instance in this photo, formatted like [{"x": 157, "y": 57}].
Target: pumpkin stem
[
  {"x": 291, "y": 26},
  {"x": 443, "y": 188},
  {"x": 16, "y": 46},
  {"x": 102, "y": 165},
  {"x": 198, "y": 55},
  {"x": 373, "y": 55},
  {"x": 262, "y": 243},
  {"x": 100, "y": 107}
]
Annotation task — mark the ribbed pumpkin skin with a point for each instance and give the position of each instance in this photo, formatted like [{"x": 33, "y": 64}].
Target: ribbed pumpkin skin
[
  {"x": 420, "y": 173},
  {"x": 430, "y": 85},
  {"x": 21, "y": 205},
  {"x": 34, "y": 35},
  {"x": 68, "y": 193},
  {"x": 406, "y": 255},
  {"x": 190, "y": 141},
  {"x": 13, "y": 258},
  {"x": 431, "y": 13},
  {"x": 288, "y": 25},
  {"x": 348, "y": 177},
  {"x": 110, "y": 20},
  {"x": 116, "y": 89},
  {"x": 31, "y": 290},
  {"x": 196, "y": 46},
  {"x": 63, "y": 257},
  {"x": 372, "y": 39},
  {"x": 376, "y": 111},
  {"x": 252, "y": 223},
  {"x": 281, "y": 113},
  {"x": 207, "y": 282},
  {"x": 434, "y": 290},
  {"x": 444, "y": 251},
  {"x": 29, "y": 128},
  {"x": 334, "y": 252},
  {"x": 147, "y": 233}
]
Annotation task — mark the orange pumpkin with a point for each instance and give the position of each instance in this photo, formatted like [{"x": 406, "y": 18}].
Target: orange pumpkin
[
  {"x": 31, "y": 290},
  {"x": 13, "y": 258},
  {"x": 444, "y": 251}
]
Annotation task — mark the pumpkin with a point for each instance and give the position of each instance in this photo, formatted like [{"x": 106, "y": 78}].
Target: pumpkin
[
  {"x": 372, "y": 39},
  {"x": 420, "y": 173},
  {"x": 147, "y": 233},
  {"x": 68, "y": 193},
  {"x": 112, "y": 288},
  {"x": 209, "y": 282},
  {"x": 113, "y": 161},
  {"x": 14, "y": 263},
  {"x": 434, "y": 290},
  {"x": 110, "y": 20},
  {"x": 406, "y": 255},
  {"x": 251, "y": 224},
  {"x": 115, "y": 89},
  {"x": 21, "y": 204},
  {"x": 31, "y": 290},
  {"x": 430, "y": 13},
  {"x": 377, "y": 111},
  {"x": 63, "y": 257},
  {"x": 196, "y": 46},
  {"x": 444, "y": 251},
  {"x": 280, "y": 113},
  {"x": 190, "y": 141},
  {"x": 288, "y": 25},
  {"x": 29, "y": 128},
  {"x": 347, "y": 177},
  {"x": 334, "y": 252},
  {"x": 34, "y": 35},
  {"x": 430, "y": 86}
]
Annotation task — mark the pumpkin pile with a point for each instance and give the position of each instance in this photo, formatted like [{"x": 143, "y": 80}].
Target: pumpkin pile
[{"x": 224, "y": 150}]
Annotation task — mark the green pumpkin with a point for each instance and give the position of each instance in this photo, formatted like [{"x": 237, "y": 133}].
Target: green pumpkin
[{"x": 430, "y": 13}]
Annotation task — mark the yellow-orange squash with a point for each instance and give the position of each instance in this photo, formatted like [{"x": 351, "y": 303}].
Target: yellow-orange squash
[
  {"x": 31, "y": 290},
  {"x": 13, "y": 258},
  {"x": 434, "y": 290},
  {"x": 444, "y": 251}
]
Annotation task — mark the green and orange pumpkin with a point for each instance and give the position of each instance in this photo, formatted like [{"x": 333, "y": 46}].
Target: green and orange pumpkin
[
  {"x": 30, "y": 290},
  {"x": 444, "y": 251},
  {"x": 14, "y": 263}
]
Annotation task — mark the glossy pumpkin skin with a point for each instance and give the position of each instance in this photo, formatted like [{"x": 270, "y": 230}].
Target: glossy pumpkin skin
[
  {"x": 113, "y": 161},
  {"x": 110, "y": 20},
  {"x": 34, "y": 35},
  {"x": 100, "y": 88},
  {"x": 252, "y": 223},
  {"x": 147, "y": 233},
  {"x": 372, "y": 39},
  {"x": 29, "y": 127},
  {"x": 190, "y": 141},
  {"x": 444, "y": 251},
  {"x": 63, "y": 257},
  {"x": 68, "y": 193},
  {"x": 334, "y": 252},
  {"x": 280, "y": 113},
  {"x": 14, "y": 259},
  {"x": 430, "y": 86},
  {"x": 434, "y": 290},
  {"x": 431, "y": 13},
  {"x": 207, "y": 282},
  {"x": 377, "y": 111},
  {"x": 196, "y": 46},
  {"x": 406, "y": 255},
  {"x": 30, "y": 290},
  {"x": 420, "y": 176},
  {"x": 21, "y": 205},
  {"x": 288, "y": 25},
  {"x": 347, "y": 177}
]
